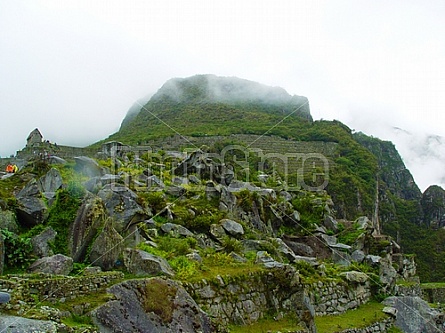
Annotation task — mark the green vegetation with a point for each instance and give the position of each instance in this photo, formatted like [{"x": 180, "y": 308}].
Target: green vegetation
[
  {"x": 364, "y": 316},
  {"x": 158, "y": 298},
  {"x": 18, "y": 250},
  {"x": 62, "y": 214},
  {"x": 269, "y": 325}
]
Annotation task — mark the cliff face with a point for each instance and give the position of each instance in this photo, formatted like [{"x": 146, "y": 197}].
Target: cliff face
[{"x": 433, "y": 204}]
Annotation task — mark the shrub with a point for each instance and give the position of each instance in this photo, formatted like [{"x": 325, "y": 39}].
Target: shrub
[{"x": 18, "y": 250}]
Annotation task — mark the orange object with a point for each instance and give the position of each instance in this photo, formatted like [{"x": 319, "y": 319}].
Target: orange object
[{"x": 10, "y": 168}]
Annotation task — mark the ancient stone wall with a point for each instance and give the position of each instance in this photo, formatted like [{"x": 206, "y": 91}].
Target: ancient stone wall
[
  {"x": 330, "y": 298},
  {"x": 26, "y": 290}
]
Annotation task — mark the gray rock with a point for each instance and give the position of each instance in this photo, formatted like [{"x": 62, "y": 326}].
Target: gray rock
[
  {"x": 358, "y": 256},
  {"x": 51, "y": 181},
  {"x": 57, "y": 264},
  {"x": 363, "y": 222},
  {"x": 284, "y": 250},
  {"x": 330, "y": 223},
  {"x": 310, "y": 260},
  {"x": 194, "y": 256},
  {"x": 88, "y": 166},
  {"x": 263, "y": 178},
  {"x": 121, "y": 203},
  {"x": 329, "y": 240},
  {"x": 387, "y": 275},
  {"x": 31, "y": 211},
  {"x": 194, "y": 180},
  {"x": 285, "y": 195},
  {"x": 176, "y": 230},
  {"x": 372, "y": 260},
  {"x": 341, "y": 258},
  {"x": 237, "y": 257},
  {"x": 300, "y": 249},
  {"x": 8, "y": 221},
  {"x": 106, "y": 248},
  {"x": 232, "y": 228},
  {"x": 56, "y": 160},
  {"x": 154, "y": 182},
  {"x": 262, "y": 257},
  {"x": 12, "y": 324},
  {"x": 390, "y": 311},
  {"x": 40, "y": 245},
  {"x": 89, "y": 220},
  {"x": 4, "y": 297},
  {"x": 354, "y": 276},
  {"x": 217, "y": 232},
  {"x": 142, "y": 263},
  {"x": 175, "y": 190},
  {"x": 212, "y": 191},
  {"x": 341, "y": 247},
  {"x": 415, "y": 315},
  {"x": 151, "y": 305}
]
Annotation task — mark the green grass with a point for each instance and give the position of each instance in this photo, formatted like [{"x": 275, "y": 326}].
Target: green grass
[
  {"x": 433, "y": 285},
  {"x": 364, "y": 316},
  {"x": 286, "y": 324}
]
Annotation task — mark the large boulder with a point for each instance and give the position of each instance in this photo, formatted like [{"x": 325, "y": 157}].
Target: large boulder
[
  {"x": 12, "y": 324},
  {"x": 151, "y": 305},
  {"x": 107, "y": 248},
  {"x": 141, "y": 263},
  {"x": 31, "y": 209},
  {"x": 88, "y": 166},
  {"x": 89, "y": 220},
  {"x": 40, "y": 243},
  {"x": 121, "y": 202},
  {"x": 415, "y": 315},
  {"x": 57, "y": 265}
]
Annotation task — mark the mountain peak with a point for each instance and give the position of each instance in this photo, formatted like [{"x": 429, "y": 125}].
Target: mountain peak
[{"x": 232, "y": 90}]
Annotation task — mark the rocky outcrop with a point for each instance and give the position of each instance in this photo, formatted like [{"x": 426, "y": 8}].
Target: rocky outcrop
[
  {"x": 89, "y": 220},
  {"x": 151, "y": 305},
  {"x": 57, "y": 264},
  {"x": 433, "y": 204},
  {"x": 142, "y": 263},
  {"x": 106, "y": 248},
  {"x": 415, "y": 315}
]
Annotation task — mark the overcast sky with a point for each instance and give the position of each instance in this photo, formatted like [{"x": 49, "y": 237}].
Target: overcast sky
[{"x": 73, "y": 68}]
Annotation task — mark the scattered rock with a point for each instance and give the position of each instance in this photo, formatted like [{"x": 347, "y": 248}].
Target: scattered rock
[
  {"x": 262, "y": 257},
  {"x": 330, "y": 223},
  {"x": 142, "y": 263},
  {"x": 57, "y": 264},
  {"x": 358, "y": 256},
  {"x": 176, "y": 230},
  {"x": 232, "y": 228}
]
